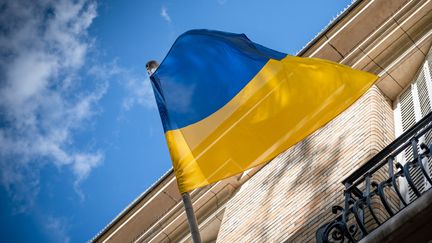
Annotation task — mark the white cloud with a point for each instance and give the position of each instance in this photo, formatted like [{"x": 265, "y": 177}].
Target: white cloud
[
  {"x": 43, "y": 47},
  {"x": 57, "y": 229},
  {"x": 164, "y": 14},
  {"x": 139, "y": 92},
  {"x": 82, "y": 167},
  {"x": 137, "y": 86}
]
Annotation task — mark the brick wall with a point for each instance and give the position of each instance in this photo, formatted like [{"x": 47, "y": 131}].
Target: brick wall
[{"x": 289, "y": 198}]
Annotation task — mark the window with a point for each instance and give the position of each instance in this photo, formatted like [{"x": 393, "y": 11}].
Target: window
[{"x": 412, "y": 104}]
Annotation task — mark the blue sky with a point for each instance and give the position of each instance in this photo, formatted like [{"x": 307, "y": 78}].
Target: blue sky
[{"x": 80, "y": 135}]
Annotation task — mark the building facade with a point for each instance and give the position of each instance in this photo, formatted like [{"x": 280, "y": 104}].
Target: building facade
[{"x": 294, "y": 197}]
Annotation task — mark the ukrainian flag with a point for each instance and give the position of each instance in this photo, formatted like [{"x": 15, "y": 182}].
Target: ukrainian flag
[{"x": 228, "y": 104}]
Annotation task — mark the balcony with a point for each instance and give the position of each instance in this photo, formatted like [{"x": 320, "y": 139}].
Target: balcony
[{"x": 388, "y": 198}]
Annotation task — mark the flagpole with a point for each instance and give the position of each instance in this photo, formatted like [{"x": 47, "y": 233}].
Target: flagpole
[
  {"x": 151, "y": 66},
  {"x": 193, "y": 225}
]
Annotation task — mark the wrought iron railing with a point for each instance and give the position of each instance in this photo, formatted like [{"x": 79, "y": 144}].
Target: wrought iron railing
[{"x": 392, "y": 179}]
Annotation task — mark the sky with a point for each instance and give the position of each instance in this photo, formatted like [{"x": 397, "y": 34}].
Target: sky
[{"x": 80, "y": 133}]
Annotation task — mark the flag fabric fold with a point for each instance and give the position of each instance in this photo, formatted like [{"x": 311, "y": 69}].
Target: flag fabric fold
[{"x": 228, "y": 104}]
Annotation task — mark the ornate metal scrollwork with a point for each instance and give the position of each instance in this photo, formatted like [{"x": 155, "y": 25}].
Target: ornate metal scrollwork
[{"x": 350, "y": 224}]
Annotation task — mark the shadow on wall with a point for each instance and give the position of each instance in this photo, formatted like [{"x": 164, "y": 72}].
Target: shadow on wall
[
  {"x": 313, "y": 178},
  {"x": 292, "y": 198},
  {"x": 314, "y": 175}
]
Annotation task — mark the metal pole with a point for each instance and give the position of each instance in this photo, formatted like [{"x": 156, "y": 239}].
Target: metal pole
[
  {"x": 151, "y": 67},
  {"x": 193, "y": 225}
]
